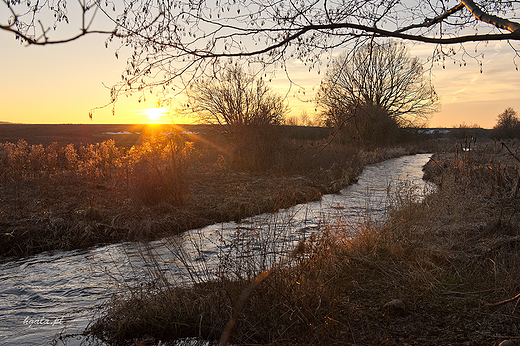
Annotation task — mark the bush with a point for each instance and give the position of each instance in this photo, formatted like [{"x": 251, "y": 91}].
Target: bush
[
  {"x": 155, "y": 171},
  {"x": 159, "y": 169}
]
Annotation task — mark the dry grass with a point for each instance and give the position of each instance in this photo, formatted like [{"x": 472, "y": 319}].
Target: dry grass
[
  {"x": 76, "y": 196},
  {"x": 448, "y": 259},
  {"x": 58, "y": 197}
]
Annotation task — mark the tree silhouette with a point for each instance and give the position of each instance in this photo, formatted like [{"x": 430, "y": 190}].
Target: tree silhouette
[
  {"x": 182, "y": 39},
  {"x": 234, "y": 97},
  {"x": 508, "y": 124},
  {"x": 245, "y": 107},
  {"x": 379, "y": 84}
]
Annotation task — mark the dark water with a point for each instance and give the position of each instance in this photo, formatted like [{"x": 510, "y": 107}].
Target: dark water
[{"x": 46, "y": 295}]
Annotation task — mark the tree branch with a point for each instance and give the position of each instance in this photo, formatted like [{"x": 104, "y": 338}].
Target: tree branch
[
  {"x": 429, "y": 22},
  {"x": 369, "y": 30},
  {"x": 37, "y": 42},
  {"x": 500, "y": 23}
]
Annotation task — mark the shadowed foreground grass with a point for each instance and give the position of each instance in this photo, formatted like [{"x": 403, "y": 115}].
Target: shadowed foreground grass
[{"x": 439, "y": 272}]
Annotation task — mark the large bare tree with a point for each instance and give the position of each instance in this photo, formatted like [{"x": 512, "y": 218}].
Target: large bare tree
[
  {"x": 378, "y": 80},
  {"x": 234, "y": 97},
  {"x": 245, "y": 107},
  {"x": 181, "y": 39}
]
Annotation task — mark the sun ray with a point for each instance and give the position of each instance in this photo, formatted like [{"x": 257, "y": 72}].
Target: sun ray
[{"x": 154, "y": 114}]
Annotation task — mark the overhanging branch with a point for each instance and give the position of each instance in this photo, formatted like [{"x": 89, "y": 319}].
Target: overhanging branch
[
  {"x": 38, "y": 42},
  {"x": 369, "y": 30},
  {"x": 500, "y": 23},
  {"x": 429, "y": 22}
]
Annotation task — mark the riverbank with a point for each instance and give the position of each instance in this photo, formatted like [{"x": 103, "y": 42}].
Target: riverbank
[
  {"x": 440, "y": 272},
  {"x": 69, "y": 197}
]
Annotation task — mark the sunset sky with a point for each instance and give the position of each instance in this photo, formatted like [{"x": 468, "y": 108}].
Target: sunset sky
[{"x": 62, "y": 83}]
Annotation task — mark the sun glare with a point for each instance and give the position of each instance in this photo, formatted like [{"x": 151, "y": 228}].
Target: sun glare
[{"x": 155, "y": 113}]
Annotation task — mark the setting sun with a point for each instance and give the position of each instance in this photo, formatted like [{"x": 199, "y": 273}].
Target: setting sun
[{"x": 155, "y": 113}]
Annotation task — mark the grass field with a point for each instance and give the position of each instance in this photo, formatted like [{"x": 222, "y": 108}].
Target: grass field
[
  {"x": 441, "y": 272},
  {"x": 122, "y": 134},
  {"x": 71, "y": 193}
]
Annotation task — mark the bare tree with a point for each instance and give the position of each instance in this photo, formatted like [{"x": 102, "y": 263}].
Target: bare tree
[
  {"x": 508, "y": 124},
  {"x": 381, "y": 83},
  {"x": 180, "y": 40},
  {"x": 245, "y": 106},
  {"x": 234, "y": 97}
]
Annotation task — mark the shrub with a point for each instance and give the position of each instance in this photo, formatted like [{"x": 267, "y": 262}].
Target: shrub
[{"x": 159, "y": 169}]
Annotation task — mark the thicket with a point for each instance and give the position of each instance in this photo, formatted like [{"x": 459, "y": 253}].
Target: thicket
[{"x": 508, "y": 124}]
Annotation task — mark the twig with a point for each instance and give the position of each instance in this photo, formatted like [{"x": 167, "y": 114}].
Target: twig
[
  {"x": 467, "y": 293},
  {"x": 504, "y": 301},
  {"x": 510, "y": 152},
  {"x": 226, "y": 334}
]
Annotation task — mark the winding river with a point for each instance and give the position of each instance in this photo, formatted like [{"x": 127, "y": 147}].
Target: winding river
[{"x": 50, "y": 295}]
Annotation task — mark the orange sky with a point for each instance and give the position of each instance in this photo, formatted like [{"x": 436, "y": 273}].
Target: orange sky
[{"x": 62, "y": 83}]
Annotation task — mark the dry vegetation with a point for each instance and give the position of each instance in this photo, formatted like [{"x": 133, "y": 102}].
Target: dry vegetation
[
  {"x": 441, "y": 272},
  {"x": 74, "y": 196}
]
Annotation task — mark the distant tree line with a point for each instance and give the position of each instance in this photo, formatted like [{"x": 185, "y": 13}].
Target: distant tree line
[{"x": 507, "y": 127}]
